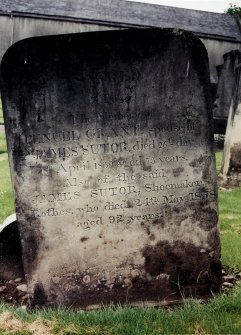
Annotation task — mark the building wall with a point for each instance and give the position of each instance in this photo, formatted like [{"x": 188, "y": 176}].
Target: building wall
[
  {"x": 6, "y": 28},
  {"x": 216, "y": 49},
  {"x": 13, "y": 29},
  {"x": 28, "y": 27}
]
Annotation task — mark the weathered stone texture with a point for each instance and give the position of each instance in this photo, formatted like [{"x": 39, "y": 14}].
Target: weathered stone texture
[
  {"x": 229, "y": 92},
  {"x": 113, "y": 166},
  {"x": 227, "y": 84}
]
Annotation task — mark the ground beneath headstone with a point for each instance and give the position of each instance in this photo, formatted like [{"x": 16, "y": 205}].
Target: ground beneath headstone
[{"x": 15, "y": 291}]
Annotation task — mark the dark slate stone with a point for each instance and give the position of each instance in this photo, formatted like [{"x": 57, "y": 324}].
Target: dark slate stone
[{"x": 110, "y": 145}]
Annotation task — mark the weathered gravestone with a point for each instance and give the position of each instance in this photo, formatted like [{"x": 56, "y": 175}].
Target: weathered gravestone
[
  {"x": 229, "y": 103},
  {"x": 113, "y": 168},
  {"x": 226, "y": 88},
  {"x": 10, "y": 250}
]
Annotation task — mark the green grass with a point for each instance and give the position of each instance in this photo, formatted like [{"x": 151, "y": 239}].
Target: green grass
[
  {"x": 6, "y": 194},
  {"x": 230, "y": 223},
  {"x": 3, "y": 145},
  {"x": 222, "y": 315},
  {"x": 1, "y": 113},
  {"x": 219, "y": 157}
]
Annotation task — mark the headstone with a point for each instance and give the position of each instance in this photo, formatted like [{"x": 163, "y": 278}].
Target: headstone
[
  {"x": 9, "y": 220},
  {"x": 227, "y": 84},
  {"x": 11, "y": 266},
  {"x": 229, "y": 93},
  {"x": 113, "y": 167}
]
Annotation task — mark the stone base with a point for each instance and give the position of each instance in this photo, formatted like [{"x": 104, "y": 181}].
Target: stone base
[{"x": 231, "y": 181}]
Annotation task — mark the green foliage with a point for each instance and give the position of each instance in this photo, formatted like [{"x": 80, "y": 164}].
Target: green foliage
[
  {"x": 6, "y": 194},
  {"x": 230, "y": 223},
  {"x": 3, "y": 144},
  {"x": 222, "y": 315},
  {"x": 234, "y": 10},
  {"x": 219, "y": 157},
  {"x": 1, "y": 113}
]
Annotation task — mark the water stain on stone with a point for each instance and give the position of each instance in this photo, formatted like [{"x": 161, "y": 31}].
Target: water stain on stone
[
  {"x": 159, "y": 222},
  {"x": 183, "y": 262},
  {"x": 214, "y": 240},
  {"x": 39, "y": 296},
  {"x": 84, "y": 239},
  {"x": 197, "y": 162},
  {"x": 208, "y": 218},
  {"x": 207, "y": 171},
  {"x": 31, "y": 239},
  {"x": 176, "y": 172},
  {"x": 18, "y": 154},
  {"x": 147, "y": 229},
  {"x": 235, "y": 159},
  {"x": 203, "y": 164},
  {"x": 144, "y": 165},
  {"x": 130, "y": 204}
]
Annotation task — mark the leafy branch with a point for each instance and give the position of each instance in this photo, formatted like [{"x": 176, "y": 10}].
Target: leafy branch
[{"x": 233, "y": 10}]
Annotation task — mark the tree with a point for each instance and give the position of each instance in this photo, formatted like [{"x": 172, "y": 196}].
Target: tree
[{"x": 233, "y": 10}]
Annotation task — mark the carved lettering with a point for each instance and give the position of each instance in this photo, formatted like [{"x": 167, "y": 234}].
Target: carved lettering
[{"x": 112, "y": 164}]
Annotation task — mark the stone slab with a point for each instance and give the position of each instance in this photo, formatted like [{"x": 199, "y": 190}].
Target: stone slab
[
  {"x": 110, "y": 145},
  {"x": 10, "y": 219},
  {"x": 11, "y": 266},
  {"x": 229, "y": 102}
]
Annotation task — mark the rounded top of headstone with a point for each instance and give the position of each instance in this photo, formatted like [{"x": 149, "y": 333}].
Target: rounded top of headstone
[
  {"x": 51, "y": 43},
  {"x": 10, "y": 219}
]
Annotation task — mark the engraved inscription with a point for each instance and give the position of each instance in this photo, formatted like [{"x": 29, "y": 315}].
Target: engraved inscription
[
  {"x": 112, "y": 165},
  {"x": 141, "y": 173}
]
